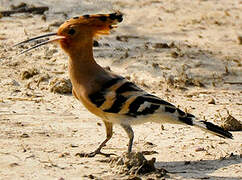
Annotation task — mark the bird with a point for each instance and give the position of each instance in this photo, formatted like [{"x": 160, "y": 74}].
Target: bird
[{"x": 110, "y": 96}]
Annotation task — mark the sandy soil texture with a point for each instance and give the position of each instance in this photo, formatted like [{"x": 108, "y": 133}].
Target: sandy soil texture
[{"x": 186, "y": 52}]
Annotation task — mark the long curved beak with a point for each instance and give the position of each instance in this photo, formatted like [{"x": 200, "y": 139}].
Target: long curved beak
[{"x": 42, "y": 43}]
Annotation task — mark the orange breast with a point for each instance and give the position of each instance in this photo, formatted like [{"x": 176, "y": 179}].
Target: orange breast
[{"x": 91, "y": 107}]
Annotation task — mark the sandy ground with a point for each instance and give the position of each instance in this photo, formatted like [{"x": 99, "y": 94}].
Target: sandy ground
[{"x": 186, "y": 52}]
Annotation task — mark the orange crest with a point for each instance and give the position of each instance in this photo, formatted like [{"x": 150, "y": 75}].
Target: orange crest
[{"x": 98, "y": 24}]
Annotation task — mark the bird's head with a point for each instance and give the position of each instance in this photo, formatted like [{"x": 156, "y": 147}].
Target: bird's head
[{"x": 79, "y": 31}]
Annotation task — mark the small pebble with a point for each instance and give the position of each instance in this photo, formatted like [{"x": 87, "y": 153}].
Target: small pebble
[
  {"x": 24, "y": 135},
  {"x": 200, "y": 149},
  {"x": 211, "y": 101}
]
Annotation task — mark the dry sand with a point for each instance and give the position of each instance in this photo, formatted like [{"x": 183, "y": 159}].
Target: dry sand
[{"x": 186, "y": 52}]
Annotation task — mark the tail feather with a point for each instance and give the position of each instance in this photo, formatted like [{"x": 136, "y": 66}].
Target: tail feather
[
  {"x": 204, "y": 125},
  {"x": 217, "y": 130}
]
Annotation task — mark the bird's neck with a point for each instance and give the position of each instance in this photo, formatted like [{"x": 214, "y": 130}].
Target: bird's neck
[
  {"x": 83, "y": 69},
  {"x": 82, "y": 55}
]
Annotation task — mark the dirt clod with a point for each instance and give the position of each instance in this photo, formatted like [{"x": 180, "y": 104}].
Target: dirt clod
[
  {"x": 231, "y": 124},
  {"x": 13, "y": 164},
  {"x": 91, "y": 176},
  {"x": 24, "y": 8},
  {"x": 161, "y": 45},
  {"x": 44, "y": 77},
  {"x": 135, "y": 164},
  {"x": 64, "y": 154},
  {"x": 183, "y": 81},
  {"x": 26, "y": 74},
  {"x": 174, "y": 54},
  {"x": 211, "y": 101},
  {"x": 200, "y": 149},
  {"x": 61, "y": 86},
  {"x": 24, "y": 135}
]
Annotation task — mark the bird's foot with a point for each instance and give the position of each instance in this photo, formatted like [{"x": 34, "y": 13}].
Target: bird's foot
[{"x": 93, "y": 154}]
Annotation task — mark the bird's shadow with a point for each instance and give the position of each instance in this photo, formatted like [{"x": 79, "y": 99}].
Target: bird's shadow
[{"x": 200, "y": 169}]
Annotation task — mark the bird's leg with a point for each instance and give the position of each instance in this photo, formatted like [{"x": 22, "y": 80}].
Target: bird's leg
[
  {"x": 128, "y": 129},
  {"x": 109, "y": 133}
]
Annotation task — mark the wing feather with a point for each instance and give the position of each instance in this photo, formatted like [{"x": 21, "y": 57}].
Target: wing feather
[{"x": 125, "y": 98}]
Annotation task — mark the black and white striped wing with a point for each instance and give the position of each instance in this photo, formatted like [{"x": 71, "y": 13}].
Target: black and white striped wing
[{"x": 122, "y": 97}]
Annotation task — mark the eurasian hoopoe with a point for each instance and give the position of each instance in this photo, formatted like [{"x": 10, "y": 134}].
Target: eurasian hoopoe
[{"x": 111, "y": 97}]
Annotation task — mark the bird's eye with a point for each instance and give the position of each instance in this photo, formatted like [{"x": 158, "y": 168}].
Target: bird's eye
[{"x": 71, "y": 31}]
